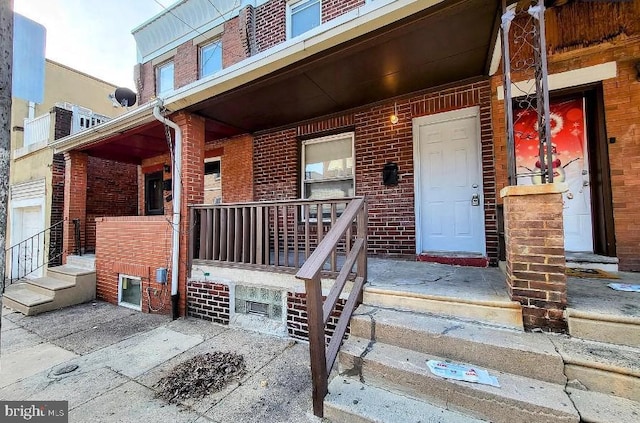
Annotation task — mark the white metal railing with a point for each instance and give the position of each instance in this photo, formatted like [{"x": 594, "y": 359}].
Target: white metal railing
[
  {"x": 84, "y": 118},
  {"x": 36, "y": 130}
]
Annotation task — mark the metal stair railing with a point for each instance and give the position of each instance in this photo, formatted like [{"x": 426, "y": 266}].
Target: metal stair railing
[{"x": 33, "y": 253}]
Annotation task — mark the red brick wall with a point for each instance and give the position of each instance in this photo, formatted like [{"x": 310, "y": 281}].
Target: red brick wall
[
  {"x": 297, "y": 321},
  {"x": 193, "y": 187},
  {"x": 112, "y": 190},
  {"x": 270, "y": 24},
  {"x": 147, "y": 83},
  {"x": 622, "y": 114},
  {"x": 208, "y": 301},
  {"x": 391, "y": 209},
  {"x": 233, "y": 47},
  {"x": 152, "y": 165},
  {"x": 135, "y": 246},
  {"x": 185, "y": 63},
  {"x": 333, "y": 8},
  {"x": 237, "y": 168},
  {"x": 75, "y": 198}
]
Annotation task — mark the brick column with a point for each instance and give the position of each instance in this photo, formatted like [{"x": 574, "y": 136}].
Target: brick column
[
  {"x": 534, "y": 239},
  {"x": 75, "y": 198},
  {"x": 192, "y": 188}
]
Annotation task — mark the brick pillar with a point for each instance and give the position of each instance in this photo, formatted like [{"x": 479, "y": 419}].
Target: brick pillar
[
  {"x": 534, "y": 239},
  {"x": 192, "y": 188},
  {"x": 75, "y": 198}
]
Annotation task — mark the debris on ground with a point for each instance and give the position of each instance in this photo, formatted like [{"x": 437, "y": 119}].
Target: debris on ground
[{"x": 200, "y": 376}]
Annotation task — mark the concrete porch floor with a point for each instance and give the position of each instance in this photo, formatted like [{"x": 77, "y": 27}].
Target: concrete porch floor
[
  {"x": 467, "y": 283},
  {"x": 488, "y": 285}
]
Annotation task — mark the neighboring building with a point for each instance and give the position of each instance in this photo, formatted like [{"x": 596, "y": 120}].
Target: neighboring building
[
  {"x": 73, "y": 102},
  {"x": 279, "y": 101}
]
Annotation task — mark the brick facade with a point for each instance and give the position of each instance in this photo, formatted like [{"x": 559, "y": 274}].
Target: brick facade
[
  {"x": 208, "y": 301},
  {"x": 112, "y": 190},
  {"x": 134, "y": 246},
  {"x": 75, "y": 198},
  {"x": 62, "y": 128},
  {"x": 297, "y": 323},
  {"x": 377, "y": 141},
  {"x": 622, "y": 114},
  {"x": 236, "y": 155},
  {"x": 534, "y": 239}
]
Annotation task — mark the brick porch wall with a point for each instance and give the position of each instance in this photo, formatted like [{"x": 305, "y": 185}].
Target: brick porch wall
[
  {"x": 112, "y": 190},
  {"x": 622, "y": 114},
  {"x": 297, "y": 323},
  {"x": 236, "y": 167},
  {"x": 377, "y": 141},
  {"x": 208, "y": 301},
  {"x": 135, "y": 246}
]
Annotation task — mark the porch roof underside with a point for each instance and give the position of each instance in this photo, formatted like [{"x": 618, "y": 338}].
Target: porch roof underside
[{"x": 449, "y": 42}]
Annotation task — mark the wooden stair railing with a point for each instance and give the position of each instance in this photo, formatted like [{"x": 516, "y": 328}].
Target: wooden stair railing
[{"x": 322, "y": 356}]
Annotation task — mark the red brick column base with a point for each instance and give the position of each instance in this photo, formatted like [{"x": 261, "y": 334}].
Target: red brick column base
[
  {"x": 534, "y": 239},
  {"x": 75, "y": 199}
]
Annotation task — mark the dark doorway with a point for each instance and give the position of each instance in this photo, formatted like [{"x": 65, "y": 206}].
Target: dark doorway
[{"x": 153, "y": 193}]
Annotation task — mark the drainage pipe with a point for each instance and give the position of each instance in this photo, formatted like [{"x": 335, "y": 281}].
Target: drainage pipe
[{"x": 177, "y": 194}]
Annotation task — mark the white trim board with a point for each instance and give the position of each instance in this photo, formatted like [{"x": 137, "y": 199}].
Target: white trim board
[{"x": 567, "y": 79}]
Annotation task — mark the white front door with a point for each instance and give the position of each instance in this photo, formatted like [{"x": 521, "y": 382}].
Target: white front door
[
  {"x": 448, "y": 183},
  {"x": 25, "y": 260}
]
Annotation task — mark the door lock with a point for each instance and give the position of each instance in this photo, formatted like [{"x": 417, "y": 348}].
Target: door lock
[{"x": 475, "y": 200}]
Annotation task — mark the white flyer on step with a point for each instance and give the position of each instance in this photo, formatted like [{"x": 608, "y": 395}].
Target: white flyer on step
[{"x": 462, "y": 372}]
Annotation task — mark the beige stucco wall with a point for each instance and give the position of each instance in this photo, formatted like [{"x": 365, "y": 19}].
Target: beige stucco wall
[{"x": 62, "y": 84}]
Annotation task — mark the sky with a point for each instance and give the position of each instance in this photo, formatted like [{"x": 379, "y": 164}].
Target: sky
[{"x": 92, "y": 36}]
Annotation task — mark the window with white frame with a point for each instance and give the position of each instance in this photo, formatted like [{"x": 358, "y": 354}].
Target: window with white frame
[
  {"x": 327, "y": 165},
  {"x": 164, "y": 78},
  {"x": 210, "y": 58},
  {"x": 303, "y": 15}
]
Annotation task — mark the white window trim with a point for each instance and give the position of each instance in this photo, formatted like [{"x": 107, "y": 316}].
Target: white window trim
[
  {"x": 121, "y": 276},
  {"x": 203, "y": 45},
  {"x": 290, "y": 5},
  {"x": 157, "y": 72},
  {"x": 327, "y": 139}
]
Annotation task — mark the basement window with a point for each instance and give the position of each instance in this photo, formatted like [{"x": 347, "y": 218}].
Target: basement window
[
  {"x": 130, "y": 292},
  {"x": 259, "y": 301}
]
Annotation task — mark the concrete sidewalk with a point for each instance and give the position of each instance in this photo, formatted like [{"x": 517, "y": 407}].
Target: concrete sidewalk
[{"x": 121, "y": 354}]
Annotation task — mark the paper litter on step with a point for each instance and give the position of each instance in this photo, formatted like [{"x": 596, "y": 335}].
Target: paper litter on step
[
  {"x": 462, "y": 372},
  {"x": 624, "y": 287}
]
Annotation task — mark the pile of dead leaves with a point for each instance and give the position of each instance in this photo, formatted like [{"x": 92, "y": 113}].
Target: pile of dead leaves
[{"x": 200, "y": 376}]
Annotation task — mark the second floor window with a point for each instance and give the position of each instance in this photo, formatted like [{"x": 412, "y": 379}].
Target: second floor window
[
  {"x": 210, "y": 58},
  {"x": 302, "y": 16},
  {"x": 164, "y": 78}
]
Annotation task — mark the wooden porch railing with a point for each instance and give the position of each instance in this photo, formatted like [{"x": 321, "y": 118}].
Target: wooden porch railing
[
  {"x": 321, "y": 356},
  {"x": 279, "y": 234}
]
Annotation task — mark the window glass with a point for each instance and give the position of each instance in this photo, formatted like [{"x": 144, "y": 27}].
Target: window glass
[
  {"x": 305, "y": 15},
  {"x": 210, "y": 58},
  {"x": 154, "y": 203},
  {"x": 165, "y": 78},
  {"x": 328, "y": 167},
  {"x": 212, "y": 181},
  {"x": 130, "y": 291}
]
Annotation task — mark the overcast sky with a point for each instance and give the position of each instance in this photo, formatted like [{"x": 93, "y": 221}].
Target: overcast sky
[{"x": 93, "y": 36}]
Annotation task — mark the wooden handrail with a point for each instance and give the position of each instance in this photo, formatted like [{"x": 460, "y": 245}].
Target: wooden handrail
[{"x": 321, "y": 357}]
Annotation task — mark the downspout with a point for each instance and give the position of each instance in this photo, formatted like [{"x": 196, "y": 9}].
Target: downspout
[{"x": 177, "y": 193}]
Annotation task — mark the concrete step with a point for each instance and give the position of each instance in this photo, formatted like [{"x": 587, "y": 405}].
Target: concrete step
[
  {"x": 596, "y": 407},
  {"x": 21, "y": 298},
  {"x": 86, "y": 261},
  {"x": 350, "y": 401},
  {"x": 582, "y": 260},
  {"x": 48, "y": 285},
  {"x": 501, "y": 313},
  {"x": 70, "y": 273},
  {"x": 512, "y": 351},
  {"x": 602, "y": 327},
  {"x": 600, "y": 367},
  {"x": 392, "y": 367}
]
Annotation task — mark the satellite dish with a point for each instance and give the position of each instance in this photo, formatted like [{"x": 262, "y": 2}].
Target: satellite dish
[{"x": 125, "y": 97}]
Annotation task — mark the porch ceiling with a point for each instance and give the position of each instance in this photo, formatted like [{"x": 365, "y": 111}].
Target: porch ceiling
[{"x": 443, "y": 44}]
